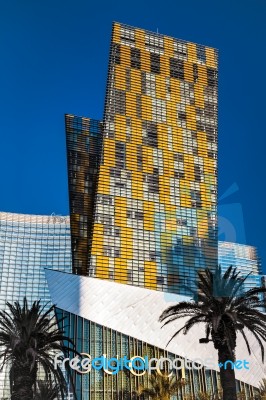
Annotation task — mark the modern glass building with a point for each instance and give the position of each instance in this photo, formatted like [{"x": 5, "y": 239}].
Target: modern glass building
[
  {"x": 245, "y": 259},
  {"x": 154, "y": 221},
  {"x": 143, "y": 216},
  {"x": 143, "y": 204},
  {"x": 28, "y": 245}
]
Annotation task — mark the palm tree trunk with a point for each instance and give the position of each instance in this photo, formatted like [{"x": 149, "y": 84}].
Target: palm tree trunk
[
  {"x": 23, "y": 379},
  {"x": 227, "y": 374}
]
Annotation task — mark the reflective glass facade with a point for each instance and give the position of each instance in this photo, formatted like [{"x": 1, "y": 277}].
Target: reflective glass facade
[
  {"x": 245, "y": 259},
  {"x": 95, "y": 340},
  {"x": 154, "y": 222},
  {"x": 144, "y": 205},
  {"x": 84, "y": 138},
  {"x": 28, "y": 244}
]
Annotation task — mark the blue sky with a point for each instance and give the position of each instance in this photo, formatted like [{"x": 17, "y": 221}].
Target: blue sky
[{"x": 54, "y": 61}]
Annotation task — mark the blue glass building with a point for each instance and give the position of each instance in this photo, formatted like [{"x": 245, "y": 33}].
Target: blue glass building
[{"x": 28, "y": 245}]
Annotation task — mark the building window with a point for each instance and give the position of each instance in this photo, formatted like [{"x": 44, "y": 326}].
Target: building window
[
  {"x": 119, "y": 102},
  {"x": 201, "y": 54},
  {"x": 154, "y": 43},
  {"x": 138, "y": 106},
  {"x": 121, "y": 185},
  {"x": 180, "y": 50},
  {"x": 198, "y": 171},
  {"x": 155, "y": 63},
  {"x": 212, "y": 77},
  {"x": 105, "y": 199},
  {"x": 116, "y": 252},
  {"x": 120, "y": 154},
  {"x": 148, "y": 84},
  {"x": 149, "y": 131},
  {"x": 129, "y": 276},
  {"x": 135, "y": 58},
  {"x": 181, "y": 222},
  {"x": 179, "y": 157},
  {"x": 160, "y": 280},
  {"x": 107, "y": 251},
  {"x": 153, "y": 182},
  {"x": 182, "y": 115},
  {"x": 127, "y": 36},
  {"x": 116, "y": 52},
  {"x": 152, "y": 256},
  {"x": 132, "y": 214},
  {"x": 159, "y": 110},
  {"x": 176, "y": 69},
  {"x": 179, "y": 175},
  {"x": 115, "y": 173},
  {"x": 195, "y": 198}
]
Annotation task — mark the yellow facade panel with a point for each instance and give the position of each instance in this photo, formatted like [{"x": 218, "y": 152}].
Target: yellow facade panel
[
  {"x": 168, "y": 162},
  {"x": 131, "y": 156},
  {"x": 211, "y": 59},
  {"x": 120, "y": 127},
  {"x": 192, "y": 52},
  {"x": 145, "y": 60},
  {"x": 120, "y": 77},
  {"x": 202, "y": 74},
  {"x": 203, "y": 228},
  {"x": 168, "y": 46},
  {"x": 109, "y": 151},
  {"x": 165, "y": 66},
  {"x": 140, "y": 38},
  {"x": 116, "y": 33},
  {"x": 160, "y": 87},
  {"x": 120, "y": 270},
  {"x": 191, "y": 117},
  {"x": 125, "y": 55},
  {"x": 150, "y": 274},
  {"x": 137, "y": 185},
  {"x": 135, "y": 80},
  {"x": 188, "y": 69},
  {"x": 98, "y": 229},
  {"x": 175, "y": 90},
  {"x": 103, "y": 184}
]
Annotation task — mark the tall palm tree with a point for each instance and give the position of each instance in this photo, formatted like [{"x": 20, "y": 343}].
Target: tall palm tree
[
  {"x": 28, "y": 338},
  {"x": 225, "y": 309},
  {"x": 161, "y": 387}
]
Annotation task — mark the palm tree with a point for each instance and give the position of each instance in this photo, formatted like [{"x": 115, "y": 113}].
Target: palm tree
[
  {"x": 262, "y": 389},
  {"x": 47, "y": 391},
  {"x": 225, "y": 309},
  {"x": 28, "y": 338},
  {"x": 161, "y": 387}
]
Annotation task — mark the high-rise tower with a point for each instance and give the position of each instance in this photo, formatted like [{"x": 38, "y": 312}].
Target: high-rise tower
[
  {"x": 143, "y": 205},
  {"x": 154, "y": 221}
]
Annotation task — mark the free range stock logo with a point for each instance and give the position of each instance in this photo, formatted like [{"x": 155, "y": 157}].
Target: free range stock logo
[{"x": 138, "y": 366}]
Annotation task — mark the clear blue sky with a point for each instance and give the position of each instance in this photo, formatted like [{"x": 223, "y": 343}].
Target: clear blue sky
[{"x": 54, "y": 61}]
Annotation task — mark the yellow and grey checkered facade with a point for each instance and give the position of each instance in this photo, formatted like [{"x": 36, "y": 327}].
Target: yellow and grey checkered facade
[{"x": 154, "y": 218}]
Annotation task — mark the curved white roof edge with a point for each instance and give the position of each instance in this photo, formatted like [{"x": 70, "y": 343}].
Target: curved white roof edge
[{"x": 134, "y": 311}]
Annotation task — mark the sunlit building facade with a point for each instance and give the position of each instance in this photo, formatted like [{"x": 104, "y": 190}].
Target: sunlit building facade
[
  {"x": 143, "y": 209},
  {"x": 143, "y": 217},
  {"x": 154, "y": 221}
]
